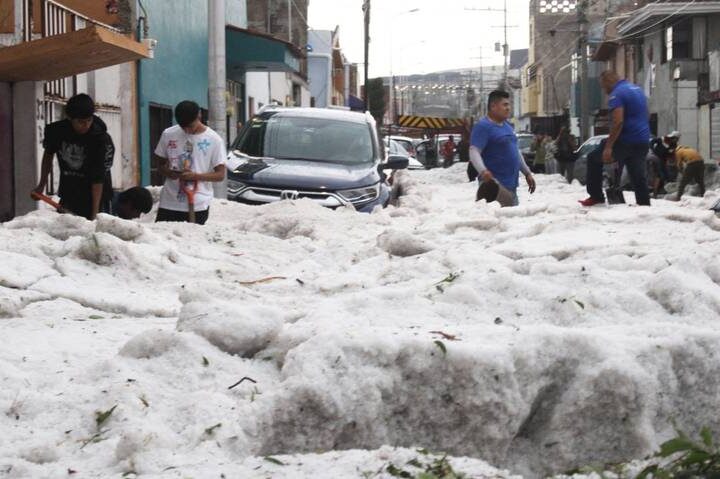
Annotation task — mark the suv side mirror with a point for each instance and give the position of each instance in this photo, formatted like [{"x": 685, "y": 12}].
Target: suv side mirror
[{"x": 396, "y": 162}]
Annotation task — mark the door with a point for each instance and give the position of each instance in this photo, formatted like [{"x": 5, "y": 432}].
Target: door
[
  {"x": 7, "y": 183},
  {"x": 704, "y": 142},
  {"x": 715, "y": 131},
  {"x": 160, "y": 119}
]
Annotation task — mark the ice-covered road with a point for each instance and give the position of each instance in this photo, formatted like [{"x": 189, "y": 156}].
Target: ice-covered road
[{"x": 536, "y": 338}]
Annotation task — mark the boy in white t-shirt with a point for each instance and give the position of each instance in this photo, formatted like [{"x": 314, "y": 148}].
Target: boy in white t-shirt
[{"x": 191, "y": 156}]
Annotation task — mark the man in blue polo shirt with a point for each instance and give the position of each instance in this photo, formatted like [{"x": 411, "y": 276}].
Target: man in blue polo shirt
[
  {"x": 627, "y": 143},
  {"x": 494, "y": 149}
]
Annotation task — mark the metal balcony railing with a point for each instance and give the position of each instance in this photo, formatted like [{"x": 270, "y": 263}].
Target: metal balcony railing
[{"x": 57, "y": 19}]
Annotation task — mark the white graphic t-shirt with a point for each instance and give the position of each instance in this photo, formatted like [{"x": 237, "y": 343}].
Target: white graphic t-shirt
[{"x": 201, "y": 153}]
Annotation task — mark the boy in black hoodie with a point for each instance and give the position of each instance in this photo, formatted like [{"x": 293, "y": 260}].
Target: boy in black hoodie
[{"x": 85, "y": 153}]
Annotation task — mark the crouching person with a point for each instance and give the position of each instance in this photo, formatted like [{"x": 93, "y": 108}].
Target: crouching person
[
  {"x": 692, "y": 167},
  {"x": 131, "y": 203}
]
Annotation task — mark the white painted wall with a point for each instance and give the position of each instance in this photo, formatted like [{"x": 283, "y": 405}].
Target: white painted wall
[
  {"x": 257, "y": 87},
  {"x": 106, "y": 89},
  {"x": 305, "y": 96},
  {"x": 236, "y": 13},
  {"x": 280, "y": 87},
  {"x": 687, "y": 112},
  {"x": 27, "y": 139},
  {"x": 319, "y": 79}
]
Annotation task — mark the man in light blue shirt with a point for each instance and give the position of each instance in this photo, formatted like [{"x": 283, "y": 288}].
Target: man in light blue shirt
[{"x": 494, "y": 149}]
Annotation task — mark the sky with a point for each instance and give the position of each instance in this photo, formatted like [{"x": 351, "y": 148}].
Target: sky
[{"x": 440, "y": 35}]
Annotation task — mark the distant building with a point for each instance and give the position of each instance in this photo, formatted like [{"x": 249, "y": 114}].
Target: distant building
[
  {"x": 333, "y": 80},
  {"x": 672, "y": 50},
  {"x": 278, "y": 72}
]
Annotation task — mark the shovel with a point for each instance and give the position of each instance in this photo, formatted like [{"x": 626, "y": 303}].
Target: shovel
[
  {"x": 41, "y": 197},
  {"x": 189, "y": 188}
]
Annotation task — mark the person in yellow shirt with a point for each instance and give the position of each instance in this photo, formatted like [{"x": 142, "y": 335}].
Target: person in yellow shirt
[{"x": 692, "y": 166}]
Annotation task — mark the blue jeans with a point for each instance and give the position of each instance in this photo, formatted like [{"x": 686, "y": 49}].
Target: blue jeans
[{"x": 627, "y": 155}]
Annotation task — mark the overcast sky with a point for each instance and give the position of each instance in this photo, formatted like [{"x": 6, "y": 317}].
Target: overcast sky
[{"x": 441, "y": 35}]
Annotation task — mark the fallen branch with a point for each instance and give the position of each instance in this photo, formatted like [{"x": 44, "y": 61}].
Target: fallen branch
[
  {"x": 449, "y": 337},
  {"x": 243, "y": 379},
  {"x": 261, "y": 280}
]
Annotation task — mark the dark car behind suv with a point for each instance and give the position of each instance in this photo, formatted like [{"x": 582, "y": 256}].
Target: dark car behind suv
[{"x": 329, "y": 156}]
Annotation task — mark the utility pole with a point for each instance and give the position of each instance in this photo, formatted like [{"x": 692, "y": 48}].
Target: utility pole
[
  {"x": 583, "y": 66},
  {"x": 481, "y": 109},
  {"x": 505, "y": 45},
  {"x": 217, "y": 78},
  {"x": 481, "y": 103},
  {"x": 506, "y": 51},
  {"x": 366, "y": 11},
  {"x": 290, "y": 32}
]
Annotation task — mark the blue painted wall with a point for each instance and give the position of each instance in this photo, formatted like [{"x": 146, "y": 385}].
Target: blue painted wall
[{"x": 179, "y": 70}]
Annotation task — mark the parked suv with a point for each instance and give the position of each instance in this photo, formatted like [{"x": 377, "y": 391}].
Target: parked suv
[{"x": 329, "y": 156}]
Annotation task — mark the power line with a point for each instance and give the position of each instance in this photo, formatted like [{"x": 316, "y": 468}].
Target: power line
[{"x": 676, "y": 12}]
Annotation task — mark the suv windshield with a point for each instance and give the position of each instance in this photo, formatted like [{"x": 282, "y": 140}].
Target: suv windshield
[{"x": 301, "y": 138}]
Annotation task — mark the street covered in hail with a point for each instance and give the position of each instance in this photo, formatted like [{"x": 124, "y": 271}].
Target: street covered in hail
[{"x": 291, "y": 340}]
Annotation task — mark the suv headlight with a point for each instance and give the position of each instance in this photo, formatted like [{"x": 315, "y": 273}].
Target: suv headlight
[
  {"x": 235, "y": 186},
  {"x": 361, "y": 195}
]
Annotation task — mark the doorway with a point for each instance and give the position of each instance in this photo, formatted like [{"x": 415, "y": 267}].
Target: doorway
[
  {"x": 160, "y": 119},
  {"x": 7, "y": 182}
]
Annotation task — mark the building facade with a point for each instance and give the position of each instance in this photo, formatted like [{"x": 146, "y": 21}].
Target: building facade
[
  {"x": 332, "y": 78},
  {"x": 285, "y": 81},
  {"x": 671, "y": 50},
  {"x": 35, "y": 86}
]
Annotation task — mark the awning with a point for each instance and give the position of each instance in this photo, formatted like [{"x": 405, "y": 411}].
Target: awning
[
  {"x": 643, "y": 19},
  {"x": 60, "y": 56},
  {"x": 246, "y": 51}
]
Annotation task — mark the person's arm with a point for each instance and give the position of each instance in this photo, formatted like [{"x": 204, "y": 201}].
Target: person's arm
[
  {"x": 618, "y": 118},
  {"x": 97, "y": 192},
  {"x": 478, "y": 141},
  {"x": 218, "y": 157},
  {"x": 160, "y": 155},
  {"x": 525, "y": 169},
  {"x": 45, "y": 169},
  {"x": 477, "y": 161},
  {"x": 218, "y": 174},
  {"x": 164, "y": 168},
  {"x": 96, "y": 173},
  {"x": 523, "y": 166}
]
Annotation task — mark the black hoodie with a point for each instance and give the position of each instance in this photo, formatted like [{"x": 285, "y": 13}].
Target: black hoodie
[{"x": 84, "y": 160}]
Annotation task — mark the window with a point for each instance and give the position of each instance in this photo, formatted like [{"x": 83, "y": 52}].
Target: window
[
  {"x": 678, "y": 41},
  {"x": 296, "y": 95},
  {"x": 309, "y": 139}
]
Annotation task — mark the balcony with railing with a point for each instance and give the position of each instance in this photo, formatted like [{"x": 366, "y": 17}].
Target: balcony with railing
[{"x": 59, "y": 41}]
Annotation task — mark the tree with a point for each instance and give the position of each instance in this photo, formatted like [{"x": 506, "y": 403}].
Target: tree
[{"x": 376, "y": 99}]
